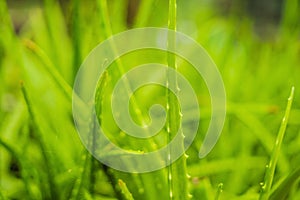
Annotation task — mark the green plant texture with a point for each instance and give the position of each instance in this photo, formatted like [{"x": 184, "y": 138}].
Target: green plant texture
[{"x": 42, "y": 46}]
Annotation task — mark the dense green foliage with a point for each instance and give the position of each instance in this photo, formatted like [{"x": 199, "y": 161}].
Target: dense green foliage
[{"x": 43, "y": 45}]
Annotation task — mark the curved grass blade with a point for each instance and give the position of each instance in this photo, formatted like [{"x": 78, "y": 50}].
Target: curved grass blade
[
  {"x": 89, "y": 163},
  {"x": 50, "y": 68}
]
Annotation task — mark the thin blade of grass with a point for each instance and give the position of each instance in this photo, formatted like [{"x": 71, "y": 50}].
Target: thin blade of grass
[
  {"x": 57, "y": 42},
  {"x": 88, "y": 169},
  {"x": 45, "y": 153},
  {"x": 270, "y": 171},
  {"x": 50, "y": 68},
  {"x": 257, "y": 127},
  {"x": 78, "y": 190},
  {"x": 99, "y": 98}
]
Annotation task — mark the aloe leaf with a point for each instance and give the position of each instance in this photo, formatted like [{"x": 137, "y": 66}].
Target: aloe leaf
[{"x": 177, "y": 172}]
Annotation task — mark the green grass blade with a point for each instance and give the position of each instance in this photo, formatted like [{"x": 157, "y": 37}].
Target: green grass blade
[
  {"x": 172, "y": 108},
  {"x": 50, "y": 68},
  {"x": 99, "y": 99},
  {"x": 38, "y": 134},
  {"x": 266, "y": 188},
  {"x": 78, "y": 190},
  {"x": 257, "y": 127},
  {"x": 102, "y": 5},
  {"x": 89, "y": 163},
  {"x": 54, "y": 21},
  {"x": 143, "y": 13},
  {"x": 282, "y": 190},
  {"x": 114, "y": 183},
  {"x": 5, "y": 21},
  {"x": 126, "y": 193},
  {"x": 152, "y": 191}
]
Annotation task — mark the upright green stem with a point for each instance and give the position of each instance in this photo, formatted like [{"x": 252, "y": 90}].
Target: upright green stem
[
  {"x": 266, "y": 188},
  {"x": 177, "y": 176},
  {"x": 171, "y": 123}
]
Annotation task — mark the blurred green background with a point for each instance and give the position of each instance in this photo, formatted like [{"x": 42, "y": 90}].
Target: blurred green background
[{"x": 255, "y": 44}]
